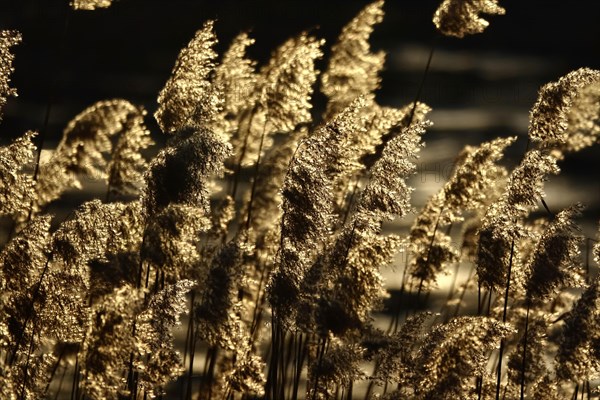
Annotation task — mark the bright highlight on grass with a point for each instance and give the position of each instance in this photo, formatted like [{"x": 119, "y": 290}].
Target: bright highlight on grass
[{"x": 280, "y": 279}]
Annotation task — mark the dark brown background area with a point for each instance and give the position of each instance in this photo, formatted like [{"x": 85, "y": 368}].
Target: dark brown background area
[{"x": 128, "y": 49}]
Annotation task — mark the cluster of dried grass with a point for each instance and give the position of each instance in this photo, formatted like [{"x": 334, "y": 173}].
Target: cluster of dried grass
[{"x": 281, "y": 279}]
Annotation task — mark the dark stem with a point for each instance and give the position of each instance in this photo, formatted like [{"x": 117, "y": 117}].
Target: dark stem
[
  {"x": 422, "y": 84},
  {"x": 320, "y": 354},
  {"x": 302, "y": 350},
  {"x": 524, "y": 361},
  {"x": 54, "y": 369},
  {"x": 501, "y": 352},
  {"x": 190, "y": 344},
  {"x": 30, "y": 312},
  {"x": 238, "y": 167},
  {"x": 255, "y": 178},
  {"x": 75, "y": 386}
]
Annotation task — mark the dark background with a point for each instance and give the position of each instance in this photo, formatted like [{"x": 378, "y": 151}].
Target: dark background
[
  {"x": 479, "y": 87},
  {"x": 129, "y": 49}
]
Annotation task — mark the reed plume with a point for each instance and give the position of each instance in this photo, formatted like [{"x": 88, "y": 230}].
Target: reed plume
[
  {"x": 459, "y": 18},
  {"x": 188, "y": 86},
  {"x": 8, "y": 39},
  {"x": 85, "y": 146},
  {"x": 18, "y": 188},
  {"x": 90, "y": 4},
  {"x": 353, "y": 70}
]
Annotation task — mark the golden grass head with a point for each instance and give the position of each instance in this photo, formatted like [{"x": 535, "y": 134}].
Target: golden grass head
[
  {"x": 8, "y": 39},
  {"x": 461, "y": 17},
  {"x": 562, "y": 119},
  {"x": 90, "y": 4}
]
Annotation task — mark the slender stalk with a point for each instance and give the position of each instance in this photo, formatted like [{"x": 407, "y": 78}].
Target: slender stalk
[
  {"x": 320, "y": 354},
  {"x": 501, "y": 352},
  {"x": 75, "y": 385},
  {"x": 349, "y": 393},
  {"x": 524, "y": 361},
  {"x": 26, "y": 368},
  {"x": 190, "y": 344},
  {"x": 60, "y": 383},
  {"x": 54, "y": 369},
  {"x": 302, "y": 350},
  {"x": 576, "y": 392},
  {"x": 30, "y": 313},
  {"x": 238, "y": 167}
]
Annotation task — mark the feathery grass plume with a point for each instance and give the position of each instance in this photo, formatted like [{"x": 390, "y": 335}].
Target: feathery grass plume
[
  {"x": 339, "y": 367},
  {"x": 387, "y": 195},
  {"x": 283, "y": 105},
  {"x": 17, "y": 191},
  {"x": 308, "y": 206},
  {"x": 550, "y": 116},
  {"x": 584, "y": 119},
  {"x": 351, "y": 286},
  {"x": 189, "y": 85},
  {"x": 453, "y": 354},
  {"x": 501, "y": 226},
  {"x": 216, "y": 311},
  {"x": 247, "y": 376},
  {"x": 266, "y": 211},
  {"x": 90, "y": 4},
  {"x": 85, "y": 141},
  {"x": 430, "y": 245},
  {"x": 22, "y": 264},
  {"x": 345, "y": 283},
  {"x": 472, "y": 179},
  {"x": 394, "y": 354},
  {"x": 383, "y": 124},
  {"x": 125, "y": 170},
  {"x": 461, "y": 17},
  {"x": 474, "y": 174},
  {"x": 160, "y": 362},
  {"x": 8, "y": 389},
  {"x": 122, "y": 257},
  {"x": 554, "y": 263},
  {"x": 288, "y": 81},
  {"x": 181, "y": 173},
  {"x": 499, "y": 230},
  {"x": 97, "y": 230},
  {"x": 170, "y": 241},
  {"x": 236, "y": 77},
  {"x": 353, "y": 70},
  {"x": 99, "y": 235},
  {"x": 350, "y": 120},
  {"x": 546, "y": 389},
  {"x": 578, "y": 358},
  {"x": 8, "y": 39},
  {"x": 31, "y": 377},
  {"x": 535, "y": 356},
  {"x": 526, "y": 183},
  {"x": 109, "y": 343},
  {"x": 176, "y": 200}
]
